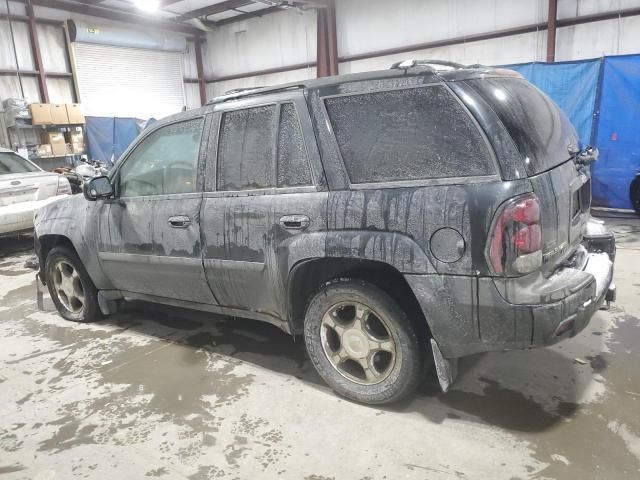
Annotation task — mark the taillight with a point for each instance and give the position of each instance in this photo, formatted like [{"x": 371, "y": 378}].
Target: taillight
[
  {"x": 515, "y": 239},
  {"x": 64, "y": 188}
]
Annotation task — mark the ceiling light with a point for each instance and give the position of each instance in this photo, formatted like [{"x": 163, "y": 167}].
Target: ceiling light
[{"x": 147, "y": 5}]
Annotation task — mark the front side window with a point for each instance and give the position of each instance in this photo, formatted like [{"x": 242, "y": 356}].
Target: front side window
[
  {"x": 246, "y": 149},
  {"x": 13, "y": 163},
  {"x": 410, "y": 134},
  {"x": 165, "y": 162}
]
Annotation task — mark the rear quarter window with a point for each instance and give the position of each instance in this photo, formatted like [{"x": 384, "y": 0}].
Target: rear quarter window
[
  {"x": 410, "y": 134},
  {"x": 541, "y": 131}
]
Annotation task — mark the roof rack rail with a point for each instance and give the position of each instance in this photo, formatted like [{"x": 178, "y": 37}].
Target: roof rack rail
[
  {"x": 241, "y": 90},
  {"x": 246, "y": 92},
  {"x": 406, "y": 64}
]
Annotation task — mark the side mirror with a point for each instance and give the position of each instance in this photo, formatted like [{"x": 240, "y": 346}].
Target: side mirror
[{"x": 98, "y": 187}]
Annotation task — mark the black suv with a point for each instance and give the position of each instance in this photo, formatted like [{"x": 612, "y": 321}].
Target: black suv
[{"x": 396, "y": 219}]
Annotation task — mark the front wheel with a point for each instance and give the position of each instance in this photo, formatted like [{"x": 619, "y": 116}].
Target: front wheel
[
  {"x": 72, "y": 291},
  {"x": 362, "y": 343}
]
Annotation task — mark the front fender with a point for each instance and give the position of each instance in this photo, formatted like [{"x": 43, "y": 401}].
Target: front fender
[{"x": 79, "y": 221}]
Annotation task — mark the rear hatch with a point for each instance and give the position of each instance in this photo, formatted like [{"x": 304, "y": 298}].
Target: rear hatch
[
  {"x": 547, "y": 142},
  {"x": 26, "y": 187}
]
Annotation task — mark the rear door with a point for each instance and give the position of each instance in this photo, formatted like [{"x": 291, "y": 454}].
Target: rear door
[
  {"x": 153, "y": 243},
  {"x": 547, "y": 141},
  {"x": 260, "y": 195}
]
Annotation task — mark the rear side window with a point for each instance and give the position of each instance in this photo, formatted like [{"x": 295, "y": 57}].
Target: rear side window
[
  {"x": 411, "y": 134},
  {"x": 246, "y": 149},
  {"x": 293, "y": 166},
  {"x": 540, "y": 130}
]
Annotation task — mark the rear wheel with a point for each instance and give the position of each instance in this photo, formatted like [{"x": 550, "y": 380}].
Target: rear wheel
[
  {"x": 362, "y": 343},
  {"x": 70, "y": 286}
]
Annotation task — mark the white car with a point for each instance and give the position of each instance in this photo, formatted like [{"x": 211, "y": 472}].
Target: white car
[{"x": 24, "y": 188}]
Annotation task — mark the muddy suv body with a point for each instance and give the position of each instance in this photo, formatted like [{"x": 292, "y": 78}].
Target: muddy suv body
[{"x": 389, "y": 216}]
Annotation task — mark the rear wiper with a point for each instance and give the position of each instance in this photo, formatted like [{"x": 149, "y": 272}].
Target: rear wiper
[{"x": 586, "y": 156}]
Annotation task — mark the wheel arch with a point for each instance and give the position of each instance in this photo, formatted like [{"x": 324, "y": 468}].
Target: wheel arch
[
  {"x": 307, "y": 276},
  {"x": 47, "y": 243}
]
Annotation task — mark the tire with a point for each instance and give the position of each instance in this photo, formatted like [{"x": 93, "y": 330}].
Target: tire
[
  {"x": 635, "y": 195},
  {"x": 342, "y": 338},
  {"x": 71, "y": 289}
]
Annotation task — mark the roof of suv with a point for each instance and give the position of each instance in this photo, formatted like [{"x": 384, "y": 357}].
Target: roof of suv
[{"x": 440, "y": 70}]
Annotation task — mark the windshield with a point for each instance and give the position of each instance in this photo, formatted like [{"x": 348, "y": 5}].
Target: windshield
[
  {"x": 540, "y": 130},
  {"x": 13, "y": 163}
]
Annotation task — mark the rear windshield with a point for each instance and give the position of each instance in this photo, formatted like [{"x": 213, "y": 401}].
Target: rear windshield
[
  {"x": 540, "y": 130},
  {"x": 413, "y": 134},
  {"x": 12, "y": 163}
]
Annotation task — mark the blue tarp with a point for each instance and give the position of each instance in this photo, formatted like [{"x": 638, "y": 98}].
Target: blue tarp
[
  {"x": 100, "y": 138},
  {"x": 572, "y": 85},
  {"x": 618, "y": 132},
  {"x": 109, "y": 137},
  {"x": 125, "y": 132}
]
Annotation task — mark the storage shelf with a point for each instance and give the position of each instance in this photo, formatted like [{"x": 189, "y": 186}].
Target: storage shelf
[{"x": 55, "y": 125}]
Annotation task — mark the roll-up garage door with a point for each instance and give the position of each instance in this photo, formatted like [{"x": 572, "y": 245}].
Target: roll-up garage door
[{"x": 128, "y": 82}]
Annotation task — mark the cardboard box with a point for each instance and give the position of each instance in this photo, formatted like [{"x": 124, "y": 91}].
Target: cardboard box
[
  {"x": 59, "y": 149},
  {"x": 53, "y": 138},
  {"x": 59, "y": 114},
  {"x": 74, "y": 113},
  {"x": 77, "y": 148},
  {"x": 44, "y": 150},
  {"x": 75, "y": 135},
  {"x": 40, "y": 114}
]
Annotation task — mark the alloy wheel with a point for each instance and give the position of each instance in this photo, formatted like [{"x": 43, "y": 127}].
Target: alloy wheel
[
  {"x": 358, "y": 342},
  {"x": 68, "y": 286}
]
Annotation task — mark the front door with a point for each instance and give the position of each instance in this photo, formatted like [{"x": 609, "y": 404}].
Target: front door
[
  {"x": 153, "y": 246},
  {"x": 262, "y": 196}
]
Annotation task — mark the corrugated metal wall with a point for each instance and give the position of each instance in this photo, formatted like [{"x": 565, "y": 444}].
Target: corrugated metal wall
[
  {"x": 54, "y": 58},
  {"x": 278, "y": 40},
  {"x": 283, "y": 39},
  {"x": 288, "y": 39}
]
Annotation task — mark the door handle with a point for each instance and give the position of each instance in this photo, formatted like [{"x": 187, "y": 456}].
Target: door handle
[
  {"x": 179, "y": 221},
  {"x": 294, "y": 222}
]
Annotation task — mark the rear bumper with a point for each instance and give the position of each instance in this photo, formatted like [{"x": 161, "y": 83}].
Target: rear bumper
[
  {"x": 468, "y": 315},
  {"x": 570, "y": 316}
]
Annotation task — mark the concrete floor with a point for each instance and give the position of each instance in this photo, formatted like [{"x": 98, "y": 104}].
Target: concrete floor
[{"x": 158, "y": 392}]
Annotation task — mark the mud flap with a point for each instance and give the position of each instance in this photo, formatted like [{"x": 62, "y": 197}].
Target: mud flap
[
  {"x": 108, "y": 301},
  {"x": 39, "y": 293},
  {"x": 446, "y": 369}
]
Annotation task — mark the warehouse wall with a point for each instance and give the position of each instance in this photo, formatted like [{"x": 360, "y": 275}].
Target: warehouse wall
[
  {"x": 409, "y": 22},
  {"x": 288, "y": 38},
  {"x": 286, "y": 41},
  {"x": 54, "y": 56},
  {"x": 278, "y": 40}
]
